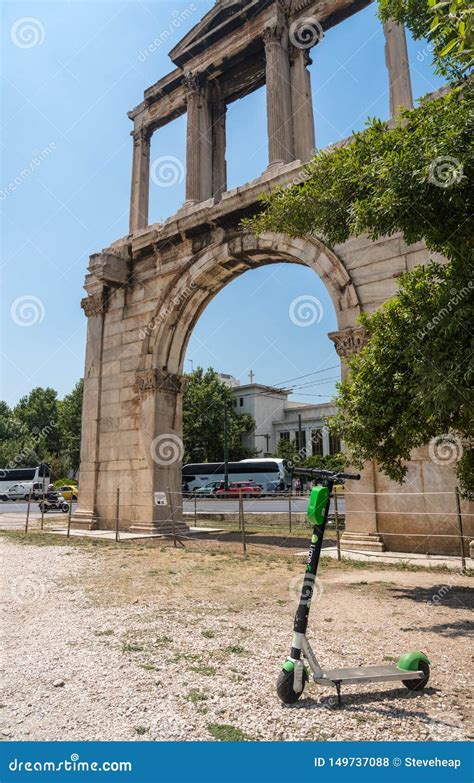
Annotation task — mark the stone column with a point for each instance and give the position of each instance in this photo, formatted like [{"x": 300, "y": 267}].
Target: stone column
[
  {"x": 198, "y": 140},
  {"x": 302, "y": 104},
  {"x": 279, "y": 109},
  {"x": 162, "y": 449},
  {"x": 361, "y": 509},
  {"x": 140, "y": 180},
  {"x": 219, "y": 165},
  {"x": 94, "y": 306},
  {"x": 396, "y": 60}
]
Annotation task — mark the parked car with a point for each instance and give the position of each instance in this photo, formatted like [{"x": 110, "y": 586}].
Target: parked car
[
  {"x": 68, "y": 492},
  {"x": 209, "y": 490},
  {"x": 244, "y": 488},
  {"x": 19, "y": 492}
]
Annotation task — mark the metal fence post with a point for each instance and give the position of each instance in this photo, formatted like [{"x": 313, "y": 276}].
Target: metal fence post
[
  {"x": 42, "y": 508},
  {"x": 117, "y": 512},
  {"x": 461, "y": 532},
  {"x": 289, "y": 510},
  {"x": 69, "y": 517},
  {"x": 336, "y": 518},
  {"x": 195, "y": 509},
  {"x": 28, "y": 512},
  {"x": 242, "y": 522}
]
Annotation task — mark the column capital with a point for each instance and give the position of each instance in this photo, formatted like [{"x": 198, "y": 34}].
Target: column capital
[
  {"x": 194, "y": 81},
  {"x": 349, "y": 341},
  {"x": 140, "y": 135},
  {"x": 150, "y": 381},
  {"x": 96, "y": 303},
  {"x": 273, "y": 33}
]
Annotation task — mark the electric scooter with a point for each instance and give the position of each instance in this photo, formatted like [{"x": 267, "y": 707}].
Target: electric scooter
[{"x": 413, "y": 668}]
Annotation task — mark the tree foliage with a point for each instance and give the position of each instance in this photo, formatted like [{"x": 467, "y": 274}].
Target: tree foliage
[{"x": 203, "y": 420}]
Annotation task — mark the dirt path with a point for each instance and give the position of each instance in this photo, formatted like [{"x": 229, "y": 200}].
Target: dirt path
[{"x": 118, "y": 643}]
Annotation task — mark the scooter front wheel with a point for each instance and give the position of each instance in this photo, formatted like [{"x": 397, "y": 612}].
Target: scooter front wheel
[{"x": 285, "y": 689}]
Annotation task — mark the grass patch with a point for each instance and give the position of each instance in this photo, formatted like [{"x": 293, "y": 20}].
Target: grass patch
[
  {"x": 235, "y": 649},
  {"x": 224, "y": 732},
  {"x": 106, "y": 632},
  {"x": 208, "y": 634},
  {"x": 150, "y": 667},
  {"x": 141, "y": 730},
  {"x": 209, "y": 671},
  {"x": 130, "y": 647},
  {"x": 195, "y": 696}
]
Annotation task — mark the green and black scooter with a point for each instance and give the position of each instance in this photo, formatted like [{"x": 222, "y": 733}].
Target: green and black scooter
[{"x": 412, "y": 668}]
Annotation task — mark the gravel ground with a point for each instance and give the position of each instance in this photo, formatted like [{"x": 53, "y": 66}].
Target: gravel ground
[{"x": 149, "y": 642}]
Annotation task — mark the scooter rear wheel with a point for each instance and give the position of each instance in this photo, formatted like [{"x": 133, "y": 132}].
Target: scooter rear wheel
[
  {"x": 285, "y": 687},
  {"x": 418, "y": 685}
]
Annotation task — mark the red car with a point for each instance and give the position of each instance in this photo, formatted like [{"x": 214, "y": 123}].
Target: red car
[{"x": 244, "y": 488}]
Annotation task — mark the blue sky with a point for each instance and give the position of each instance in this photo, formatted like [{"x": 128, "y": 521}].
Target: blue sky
[{"x": 70, "y": 72}]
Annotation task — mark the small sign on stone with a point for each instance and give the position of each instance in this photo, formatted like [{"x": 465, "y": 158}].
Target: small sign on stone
[{"x": 160, "y": 499}]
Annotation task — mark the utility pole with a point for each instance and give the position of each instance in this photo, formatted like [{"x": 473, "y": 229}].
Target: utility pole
[
  {"x": 300, "y": 433},
  {"x": 226, "y": 449}
]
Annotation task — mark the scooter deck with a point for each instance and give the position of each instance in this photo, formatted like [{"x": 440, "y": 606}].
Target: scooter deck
[{"x": 366, "y": 674}]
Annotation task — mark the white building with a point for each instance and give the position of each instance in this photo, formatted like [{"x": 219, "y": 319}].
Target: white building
[{"x": 276, "y": 418}]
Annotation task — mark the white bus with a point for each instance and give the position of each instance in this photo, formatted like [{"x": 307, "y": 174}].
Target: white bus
[
  {"x": 270, "y": 473},
  {"x": 35, "y": 480}
]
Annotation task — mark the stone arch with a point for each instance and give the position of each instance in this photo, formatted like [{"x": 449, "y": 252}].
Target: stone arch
[{"x": 212, "y": 268}]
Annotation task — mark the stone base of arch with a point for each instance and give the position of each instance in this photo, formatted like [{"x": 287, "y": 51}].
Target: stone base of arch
[{"x": 362, "y": 542}]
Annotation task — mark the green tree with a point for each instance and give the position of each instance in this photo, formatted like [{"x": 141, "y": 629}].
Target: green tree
[
  {"x": 203, "y": 419},
  {"x": 413, "y": 380},
  {"x": 13, "y": 437},
  {"x": 69, "y": 424},
  {"x": 38, "y": 411}
]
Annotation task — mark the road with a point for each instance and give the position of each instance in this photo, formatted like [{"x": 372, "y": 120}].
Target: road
[{"x": 261, "y": 506}]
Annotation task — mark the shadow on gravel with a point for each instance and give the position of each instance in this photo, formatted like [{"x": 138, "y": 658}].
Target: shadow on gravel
[
  {"x": 451, "y": 630},
  {"x": 269, "y": 539},
  {"x": 451, "y": 596}
]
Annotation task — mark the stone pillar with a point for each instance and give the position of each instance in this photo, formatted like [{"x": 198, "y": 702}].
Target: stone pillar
[
  {"x": 198, "y": 140},
  {"x": 279, "y": 109},
  {"x": 302, "y": 104},
  {"x": 396, "y": 60},
  {"x": 219, "y": 165},
  {"x": 94, "y": 306},
  {"x": 140, "y": 180},
  {"x": 361, "y": 509},
  {"x": 162, "y": 449}
]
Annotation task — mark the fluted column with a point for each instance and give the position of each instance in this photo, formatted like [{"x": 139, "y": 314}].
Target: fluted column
[
  {"x": 302, "y": 104},
  {"x": 396, "y": 60},
  {"x": 360, "y": 499},
  {"x": 198, "y": 140},
  {"x": 95, "y": 306},
  {"x": 140, "y": 180},
  {"x": 219, "y": 165},
  {"x": 279, "y": 109}
]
